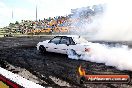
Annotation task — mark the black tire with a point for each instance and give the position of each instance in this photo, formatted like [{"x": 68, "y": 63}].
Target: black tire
[
  {"x": 82, "y": 80},
  {"x": 42, "y": 49}
]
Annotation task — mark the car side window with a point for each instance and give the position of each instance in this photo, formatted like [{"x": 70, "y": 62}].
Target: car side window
[
  {"x": 65, "y": 40},
  {"x": 55, "y": 40}
]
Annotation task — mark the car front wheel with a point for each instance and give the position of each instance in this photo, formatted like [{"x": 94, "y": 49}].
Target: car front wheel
[{"x": 42, "y": 49}]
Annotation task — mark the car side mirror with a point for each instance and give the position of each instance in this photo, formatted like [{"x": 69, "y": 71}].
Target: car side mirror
[{"x": 67, "y": 44}]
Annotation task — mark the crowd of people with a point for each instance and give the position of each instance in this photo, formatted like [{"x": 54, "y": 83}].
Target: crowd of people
[
  {"x": 52, "y": 24},
  {"x": 49, "y": 24}
]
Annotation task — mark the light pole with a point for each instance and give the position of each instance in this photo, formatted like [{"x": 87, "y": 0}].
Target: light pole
[
  {"x": 12, "y": 14},
  {"x": 36, "y": 13}
]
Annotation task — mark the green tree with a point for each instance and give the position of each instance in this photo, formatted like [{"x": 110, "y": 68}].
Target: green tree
[
  {"x": 11, "y": 25},
  {"x": 17, "y": 22}
]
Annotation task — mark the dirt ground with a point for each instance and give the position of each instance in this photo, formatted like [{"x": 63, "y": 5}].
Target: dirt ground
[{"x": 55, "y": 70}]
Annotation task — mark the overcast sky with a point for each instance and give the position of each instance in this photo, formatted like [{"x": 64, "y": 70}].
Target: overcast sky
[{"x": 25, "y": 9}]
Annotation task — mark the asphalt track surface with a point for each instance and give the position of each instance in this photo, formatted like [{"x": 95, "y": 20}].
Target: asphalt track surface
[{"x": 56, "y": 70}]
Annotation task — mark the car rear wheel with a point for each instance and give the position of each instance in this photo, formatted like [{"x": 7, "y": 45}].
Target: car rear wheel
[
  {"x": 42, "y": 49},
  {"x": 72, "y": 54}
]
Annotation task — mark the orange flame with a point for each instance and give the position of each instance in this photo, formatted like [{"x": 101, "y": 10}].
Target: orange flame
[{"x": 81, "y": 71}]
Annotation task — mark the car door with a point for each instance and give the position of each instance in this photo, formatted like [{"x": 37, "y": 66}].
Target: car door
[
  {"x": 53, "y": 43},
  {"x": 63, "y": 45}
]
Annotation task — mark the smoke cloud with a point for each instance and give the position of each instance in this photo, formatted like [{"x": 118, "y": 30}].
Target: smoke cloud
[
  {"x": 119, "y": 57},
  {"x": 115, "y": 23}
]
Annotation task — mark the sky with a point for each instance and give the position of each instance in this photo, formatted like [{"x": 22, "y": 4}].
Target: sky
[{"x": 26, "y": 9}]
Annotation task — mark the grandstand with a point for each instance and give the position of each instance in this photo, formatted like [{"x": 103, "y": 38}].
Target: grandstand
[{"x": 58, "y": 24}]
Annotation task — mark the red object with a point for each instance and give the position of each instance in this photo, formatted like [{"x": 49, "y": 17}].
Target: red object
[{"x": 8, "y": 82}]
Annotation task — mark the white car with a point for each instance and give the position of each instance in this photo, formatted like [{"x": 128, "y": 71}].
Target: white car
[{"x": 65, "y": 44}]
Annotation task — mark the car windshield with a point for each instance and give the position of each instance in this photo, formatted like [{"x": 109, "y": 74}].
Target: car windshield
[{"x": 80, "y": 40}]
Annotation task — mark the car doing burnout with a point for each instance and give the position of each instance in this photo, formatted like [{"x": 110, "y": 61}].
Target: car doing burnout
[{"x": 65, "y": 44}]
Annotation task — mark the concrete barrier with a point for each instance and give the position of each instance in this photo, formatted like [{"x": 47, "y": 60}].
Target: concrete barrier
[{"x": 16, "y": 81}]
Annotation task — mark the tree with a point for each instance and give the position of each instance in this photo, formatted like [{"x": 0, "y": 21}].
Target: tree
[
  {"x": 17, "y": 22},
  {"x": 11, "y": 25}
]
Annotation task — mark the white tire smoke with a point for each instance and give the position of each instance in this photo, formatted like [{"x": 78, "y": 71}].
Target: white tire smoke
[{"x": 119, "y": 57}]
